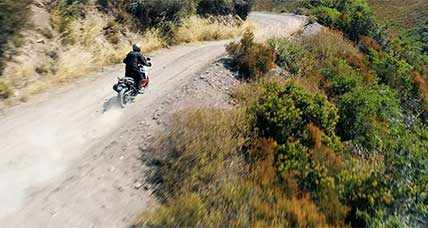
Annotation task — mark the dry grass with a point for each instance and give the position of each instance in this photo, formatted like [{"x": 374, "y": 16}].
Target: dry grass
[
  {"x": 90, "y": 48},
  {"x": 248, "y": 93},
  {"x": 36, "y": 88},
  {"x": 195, "y": 29},
  {"x": 331, "y": 44},
  {"x": 203, "y": 143},
  {"x": 5, "y": 91},
  {"x": 19, "y": 76},
  {"x": 422, "y": 85},
  {"x": 73, "y": 63},
  {"x": 152, "y": 40}
]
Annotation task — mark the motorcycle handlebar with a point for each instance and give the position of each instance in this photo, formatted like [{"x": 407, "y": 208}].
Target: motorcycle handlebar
[{"x": 149, "y": 64}]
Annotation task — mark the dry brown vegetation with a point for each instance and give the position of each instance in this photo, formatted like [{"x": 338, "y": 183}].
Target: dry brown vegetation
[
  {"x": 422, "y": 85},
  {"x": 251, "y": 58},
  {"x": 194, "y": 29},
  {"x": 95, "y": 41},
  {"x": 219, "y": 186},
  {"x": 405, "y": 14}
]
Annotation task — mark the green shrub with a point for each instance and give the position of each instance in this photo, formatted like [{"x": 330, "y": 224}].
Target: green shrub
[
  {"x": 354, "y": 17},
  {"x": 304, "y": 126},
  {"x": 327, "y": 16},
  {"x": 283, "y": 113},
  {"x": 342, "y": 79},
  {"x": 368, "y": 116},
  {"x": 358, "y": 19},
  {"x": 391, "y": 184},
  {"x": 224, "y": 7},
  {"x": 219, "y": 7},
  {"x": 394, "y": 72},
  {"x": 407, "y": 162},
  {"x": 421, "y": 35},
  {"x": 411, "y": 47},
  {"x": 5, "y": 91},
  {"x": 250, "y": 58},
  {"x": 163, "y": 14},
  {"x": 243, "y": 8},
  {"x": 291, "y": 56},
  {"x": 65, "y": 12}
]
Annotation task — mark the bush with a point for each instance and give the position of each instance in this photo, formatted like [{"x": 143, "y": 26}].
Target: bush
[
  {"x": 68, "y": 11},
  {"x": 369, "y": 116},
  {"x": 242, "y": 8},
  {"x": 160, "y": 12},
  {"x": 13, "y": 17},
  {"x": 284, "y": 112},
  {"x": 394, "y": 72},
  {"x": 327, "y": 16},
  {"x": 203, "y": 143},
  {"x": 218, "y": 7},
  {"x": 421, "y": 35},
  {"x": 250, "y": 58},
  {"x": 5, "y": 91},
  {"x": 291, "y": 56},
  {"x": 304, "y": 126},
  {"x": 342, "y": 79},
  {"x": 410, "y": 47},
  {"x": 358, "y": 20},
  {"x": 224, "y": 7},
  {"x": 354, "y": 17},
  {"x": 422, "y": 85},
  {"x": 292, "y": 170}
]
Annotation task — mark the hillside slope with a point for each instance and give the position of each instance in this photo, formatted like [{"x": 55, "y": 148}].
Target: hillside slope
[
  {"x": 407, "y": 14},
  {"x": 48, "y": 43},
  {"x": 62, "y": 166}
]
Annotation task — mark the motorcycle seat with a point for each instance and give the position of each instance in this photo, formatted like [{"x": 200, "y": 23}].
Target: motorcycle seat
[{"x": 128, "y": 79}]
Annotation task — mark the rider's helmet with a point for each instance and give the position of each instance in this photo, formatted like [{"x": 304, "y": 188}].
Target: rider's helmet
[{"x": 136, "y": 47}]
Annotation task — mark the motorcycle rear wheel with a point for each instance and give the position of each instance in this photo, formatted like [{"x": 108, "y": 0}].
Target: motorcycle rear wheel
[{"x": 124, "y": 98}]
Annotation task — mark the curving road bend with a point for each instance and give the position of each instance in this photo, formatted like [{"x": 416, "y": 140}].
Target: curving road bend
[{"x": 56, "y": 168}]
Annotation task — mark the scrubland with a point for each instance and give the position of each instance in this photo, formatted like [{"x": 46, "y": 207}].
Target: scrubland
[{"x": 337, "y": 140}]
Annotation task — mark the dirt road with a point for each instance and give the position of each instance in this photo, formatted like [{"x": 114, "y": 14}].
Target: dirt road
[{"x": 69, "y": 158}]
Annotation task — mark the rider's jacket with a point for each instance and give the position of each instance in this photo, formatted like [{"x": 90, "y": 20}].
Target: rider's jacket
[{"x": 132, "y": 61}]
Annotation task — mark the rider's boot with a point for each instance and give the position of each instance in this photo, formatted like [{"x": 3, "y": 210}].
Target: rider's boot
[{"x": 141, "y": 89}]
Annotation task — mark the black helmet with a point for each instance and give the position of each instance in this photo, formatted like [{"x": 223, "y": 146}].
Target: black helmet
[{"x": 136, "y": 47}]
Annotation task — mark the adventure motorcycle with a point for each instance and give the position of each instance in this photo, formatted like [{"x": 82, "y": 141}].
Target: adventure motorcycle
[{"x": 126, "y": 89}]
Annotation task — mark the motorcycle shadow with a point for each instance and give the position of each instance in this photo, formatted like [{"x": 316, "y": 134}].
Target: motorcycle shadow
[{"x": 110, "y": 103}]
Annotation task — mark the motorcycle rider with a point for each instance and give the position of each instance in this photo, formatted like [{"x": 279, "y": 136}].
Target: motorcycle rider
[{"x": 133, "y": 61}]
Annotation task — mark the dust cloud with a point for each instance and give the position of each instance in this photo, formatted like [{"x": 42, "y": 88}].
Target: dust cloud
[{"x": 43, "y": 151}]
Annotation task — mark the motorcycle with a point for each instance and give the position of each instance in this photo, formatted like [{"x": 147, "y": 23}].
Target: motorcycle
[{"x": 126, "y": 89}]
